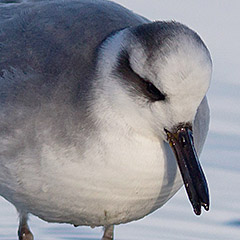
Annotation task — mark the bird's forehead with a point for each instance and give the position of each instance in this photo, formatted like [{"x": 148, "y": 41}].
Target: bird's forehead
[{"x": 179, "y": 63}]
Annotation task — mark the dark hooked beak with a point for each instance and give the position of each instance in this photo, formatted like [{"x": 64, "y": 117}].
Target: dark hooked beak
[{"x": 181, "y": 142}]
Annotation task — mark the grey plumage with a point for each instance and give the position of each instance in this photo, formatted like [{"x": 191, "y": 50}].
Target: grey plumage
[
  {"x": 40, "y": 37},
  {"x": 47, "y": 58},
  {"x": 48, "y": 71}
]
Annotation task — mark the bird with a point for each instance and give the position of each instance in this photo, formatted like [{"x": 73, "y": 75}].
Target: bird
[{"x": 103, "y": 112}]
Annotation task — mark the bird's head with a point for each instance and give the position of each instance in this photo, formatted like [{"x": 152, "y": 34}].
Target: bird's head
[{"x": 156, "y": 76}]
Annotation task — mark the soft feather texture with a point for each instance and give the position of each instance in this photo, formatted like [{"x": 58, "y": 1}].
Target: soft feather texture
[{"x": 74, "y": 145}]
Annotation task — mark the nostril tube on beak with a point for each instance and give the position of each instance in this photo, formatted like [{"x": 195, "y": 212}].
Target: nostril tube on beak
[{"x": 181, "y": 142}]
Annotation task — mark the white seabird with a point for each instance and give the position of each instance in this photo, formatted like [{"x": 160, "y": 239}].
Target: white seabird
[{"x": 97, "y": 110}]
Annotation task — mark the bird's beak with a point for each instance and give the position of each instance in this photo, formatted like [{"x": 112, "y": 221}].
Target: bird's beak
[{"x": 181, "y": 142}]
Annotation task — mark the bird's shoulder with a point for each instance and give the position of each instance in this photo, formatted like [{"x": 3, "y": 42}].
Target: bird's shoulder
[{"x": 49, "y": 43}]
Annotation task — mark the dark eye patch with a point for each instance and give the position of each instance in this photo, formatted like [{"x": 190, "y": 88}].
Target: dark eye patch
[
  {"x": 155, "y": 93},
  {"x": 136, "y": 83}
]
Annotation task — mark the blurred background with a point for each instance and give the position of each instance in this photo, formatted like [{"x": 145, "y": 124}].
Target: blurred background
[{"x": 217, "y": 22}]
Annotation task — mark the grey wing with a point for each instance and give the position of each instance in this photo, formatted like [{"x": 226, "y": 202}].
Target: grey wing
[
  {"x": 57, "y": 40},
  {"x": 47, "y": 57},
  {"x": 201, "y": 125}
]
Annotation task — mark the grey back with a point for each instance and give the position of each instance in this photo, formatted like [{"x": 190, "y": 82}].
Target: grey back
[{"x": 49, "y": 45}]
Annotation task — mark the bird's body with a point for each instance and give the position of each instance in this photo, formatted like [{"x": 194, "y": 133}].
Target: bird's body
[{"x": 73, "y": 146}]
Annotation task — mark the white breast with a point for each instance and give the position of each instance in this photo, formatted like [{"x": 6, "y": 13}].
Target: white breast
[
  {"x": 129, "y": 178},
  {"x": 120, "y": 176}
]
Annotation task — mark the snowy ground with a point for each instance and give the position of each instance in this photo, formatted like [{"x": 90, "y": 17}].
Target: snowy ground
[{"x": 218, "y": 24}]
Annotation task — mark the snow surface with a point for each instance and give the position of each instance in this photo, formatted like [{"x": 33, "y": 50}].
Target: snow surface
[{"x": 218, "y": 24}]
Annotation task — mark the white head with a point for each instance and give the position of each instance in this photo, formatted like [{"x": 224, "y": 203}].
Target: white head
[
  {"x": 153, "y": 78},
  {"x": 154, "y": 75}
]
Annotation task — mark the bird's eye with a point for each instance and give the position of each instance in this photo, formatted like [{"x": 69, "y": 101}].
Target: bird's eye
[
  {"x": 139, "y": 84},
  {"x": 154, "y": 92}
]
